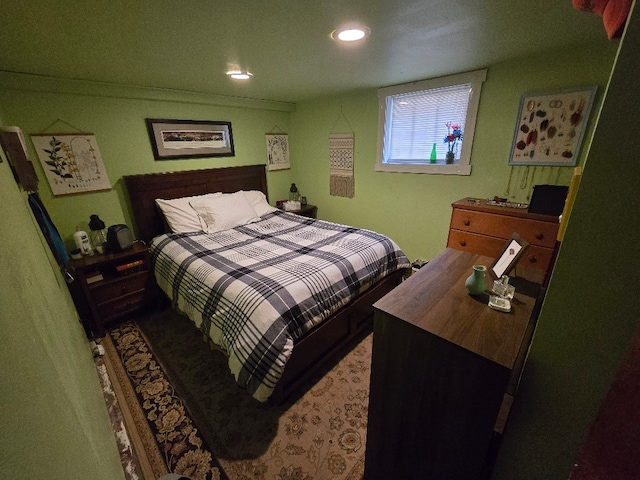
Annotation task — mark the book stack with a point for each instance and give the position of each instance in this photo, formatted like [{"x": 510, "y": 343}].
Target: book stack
[{"x": 131, "y": 267}]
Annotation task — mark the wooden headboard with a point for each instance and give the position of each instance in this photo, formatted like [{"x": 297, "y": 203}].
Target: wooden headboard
[{"x": 144, "y": 189}]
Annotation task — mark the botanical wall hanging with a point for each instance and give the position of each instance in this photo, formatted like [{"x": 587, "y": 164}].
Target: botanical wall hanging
[
  {"x": 277, "y": 151},
  {"x": 550, "y": 127},
  {"x": 71, "y": 162}
]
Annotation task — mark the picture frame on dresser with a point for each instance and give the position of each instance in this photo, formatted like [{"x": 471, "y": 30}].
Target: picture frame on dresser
[{"x": 506, "y": 261}]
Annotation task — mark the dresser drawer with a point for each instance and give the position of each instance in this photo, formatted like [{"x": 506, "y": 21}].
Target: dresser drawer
[
  {"x": 119, "y": 287},
  {"x": 121, "y": 306},
  {"x": 535, "y": 257},
  {"x": 535, "y": 232}
]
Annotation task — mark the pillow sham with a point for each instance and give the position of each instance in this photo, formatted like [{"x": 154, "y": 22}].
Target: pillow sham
[
  {"x": 224, "y": 212},
  {"x": 258, "y": 201},
  {"x": 180, "y": 215}
]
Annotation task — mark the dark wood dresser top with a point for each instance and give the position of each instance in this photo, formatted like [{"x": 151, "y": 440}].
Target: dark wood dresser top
[
  {"x": 436, "y": 300},
  {"x": 482, "y": 205}
]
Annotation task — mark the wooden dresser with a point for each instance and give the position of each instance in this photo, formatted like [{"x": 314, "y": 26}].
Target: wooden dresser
[
  {"x": 478, "y": 227},
  {"x": 443, "y": 366}
]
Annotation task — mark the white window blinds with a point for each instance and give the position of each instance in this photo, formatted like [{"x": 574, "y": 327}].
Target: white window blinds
[
  {"x": 415, "y": 118},
  {"x": 418, "y": 122}
]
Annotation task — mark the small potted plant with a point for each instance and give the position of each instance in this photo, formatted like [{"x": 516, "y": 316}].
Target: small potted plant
[{"x": 454, "y": 136}]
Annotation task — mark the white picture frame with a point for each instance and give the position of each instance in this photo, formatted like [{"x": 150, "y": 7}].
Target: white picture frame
[
  {"x": 513, "y": 250},
  {"x": 550, "y": 127}
]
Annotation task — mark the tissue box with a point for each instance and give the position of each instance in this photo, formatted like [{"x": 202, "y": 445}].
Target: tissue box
[{"x": 289, "y": 206}]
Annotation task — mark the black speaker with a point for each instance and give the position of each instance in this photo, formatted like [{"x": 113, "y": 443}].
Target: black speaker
[{"x": 119, "y": 238}]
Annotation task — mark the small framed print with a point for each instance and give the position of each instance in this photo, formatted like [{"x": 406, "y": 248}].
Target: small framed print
[
  {"x": 172, "y": 139},
  {"x": 550, "y": 127},
  {"x": 277, "y": 151},
  {"x": 512, "y": 252}
]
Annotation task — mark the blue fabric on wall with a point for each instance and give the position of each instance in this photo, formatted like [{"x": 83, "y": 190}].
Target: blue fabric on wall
[{"x": 49, "y": 230}]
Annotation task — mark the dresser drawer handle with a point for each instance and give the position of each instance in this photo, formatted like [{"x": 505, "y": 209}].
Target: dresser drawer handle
[
  {"x": 533, "y": 259},
  {"x": 467, "y": 222},
  {"x": 123, "y": 289},
  {"x": 539, "y": 235},
  {"x": 463, "y": 243}
]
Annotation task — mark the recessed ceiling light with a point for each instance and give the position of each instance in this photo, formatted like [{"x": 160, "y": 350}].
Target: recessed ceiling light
[
  {"x": 350, "y": 34},
  {"x": 240, "y": 75}
]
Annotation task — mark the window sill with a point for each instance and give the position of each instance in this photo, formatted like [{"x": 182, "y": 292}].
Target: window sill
[{"x": 430, "y": 169}]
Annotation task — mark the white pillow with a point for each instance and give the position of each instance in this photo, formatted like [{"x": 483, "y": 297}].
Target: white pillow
[
  {"x": 224, "y": 212},
  {"x": 180, "y": 215},
  {"x": 258, "y": 201}
]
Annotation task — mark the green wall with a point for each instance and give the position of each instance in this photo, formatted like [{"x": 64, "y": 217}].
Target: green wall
[
  {"x": 54, "y": 420},
  {"x": 415, "y": 209},
  {"x": 412, "y": 209},
  {"x": 116, "y": 116},
  {"x": 592, "y": 309},
  {"x": 53, "y": 415}
]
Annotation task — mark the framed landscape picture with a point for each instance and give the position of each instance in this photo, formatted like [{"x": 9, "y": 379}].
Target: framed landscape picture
[
  {"x": 172, "y": 139},
  {"x": 550, "y": 127}
]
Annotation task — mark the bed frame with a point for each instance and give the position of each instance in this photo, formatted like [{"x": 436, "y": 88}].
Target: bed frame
[{"x": 320, "y": 344}]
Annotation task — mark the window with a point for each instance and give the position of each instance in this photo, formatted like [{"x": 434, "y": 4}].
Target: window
[{"x": 415, "y": 118}]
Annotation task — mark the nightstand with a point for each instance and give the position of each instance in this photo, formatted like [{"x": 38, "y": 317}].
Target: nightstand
[
  {"x": 310, "y": 211},
  {"x": 110, "y": 287}
]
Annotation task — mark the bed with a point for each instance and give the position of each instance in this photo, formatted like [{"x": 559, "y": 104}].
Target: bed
[{"x": 299, "y": 328}]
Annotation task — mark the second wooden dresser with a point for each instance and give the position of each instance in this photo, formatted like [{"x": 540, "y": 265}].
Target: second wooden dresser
[{"x": 481, "y": 228}]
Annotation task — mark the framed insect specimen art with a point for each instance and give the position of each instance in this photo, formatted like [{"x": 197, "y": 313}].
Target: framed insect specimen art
[{"x": 550, "y": 127}]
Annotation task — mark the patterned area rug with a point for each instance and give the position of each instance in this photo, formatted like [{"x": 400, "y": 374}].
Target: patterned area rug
[
  {"x": 166, "y": 438},
  {"x": 207, "y": 427}
]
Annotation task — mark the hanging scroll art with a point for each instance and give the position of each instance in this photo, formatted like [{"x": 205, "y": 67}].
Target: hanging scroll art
[
  {"x": 341, "y": 181},
  {"x": 71, "y": 162},
  {"x": 277, "y": 151}
]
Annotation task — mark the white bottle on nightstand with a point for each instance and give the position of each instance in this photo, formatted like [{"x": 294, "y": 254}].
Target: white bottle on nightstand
[{"x": 82, "y": 242}]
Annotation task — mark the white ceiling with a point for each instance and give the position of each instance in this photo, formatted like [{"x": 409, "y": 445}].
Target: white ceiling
[{"x": 190, "y": 44}]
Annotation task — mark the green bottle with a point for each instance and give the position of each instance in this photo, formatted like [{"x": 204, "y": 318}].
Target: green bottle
[{"x": 434, "y": 155}]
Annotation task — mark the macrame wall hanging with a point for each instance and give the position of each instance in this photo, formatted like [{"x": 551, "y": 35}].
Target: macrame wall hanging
[{"x": 341, "y": 148}]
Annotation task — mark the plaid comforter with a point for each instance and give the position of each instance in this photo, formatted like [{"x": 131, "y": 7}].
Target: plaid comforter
[{"x": 254, "y": 289}]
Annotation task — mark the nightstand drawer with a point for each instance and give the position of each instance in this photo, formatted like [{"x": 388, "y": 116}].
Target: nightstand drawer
[
  {"x": 119, "y": 287},
  {"x": 121, "y": 306},
  {"x": 535, "y": 232}
]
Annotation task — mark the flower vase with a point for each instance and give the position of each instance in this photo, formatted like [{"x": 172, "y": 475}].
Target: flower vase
[
  {"x": 450, "y": 157},
  {"x": 476, "y": 283}
]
